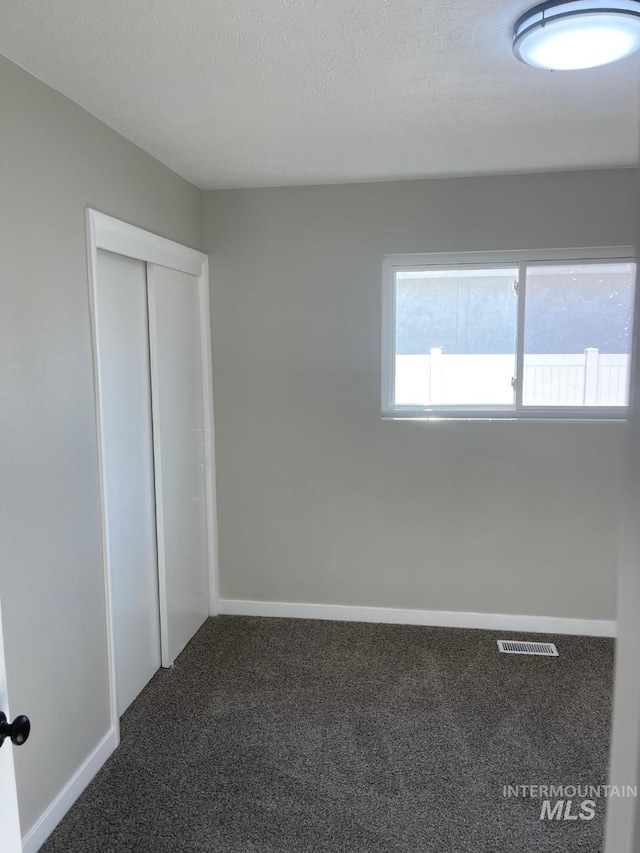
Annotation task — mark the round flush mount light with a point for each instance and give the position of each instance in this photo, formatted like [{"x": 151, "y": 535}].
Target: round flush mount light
[{"x": 569, "y": 34}]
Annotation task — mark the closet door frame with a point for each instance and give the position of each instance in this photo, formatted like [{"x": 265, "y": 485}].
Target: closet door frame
[{"x": 121, "y": 238}]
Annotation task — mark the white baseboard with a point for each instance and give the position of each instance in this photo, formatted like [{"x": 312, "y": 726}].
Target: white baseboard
[
  {"x": 433, "y": 618},
  {"x": 48, "y": 821}
]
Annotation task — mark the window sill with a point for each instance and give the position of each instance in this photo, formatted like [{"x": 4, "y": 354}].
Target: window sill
[{"x": 458, "y": 416}]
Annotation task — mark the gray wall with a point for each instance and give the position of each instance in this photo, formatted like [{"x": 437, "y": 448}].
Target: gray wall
[
  {"x": 55, "y": 160},
  {"x": 320, "y": 500},
  {"x": 623, "y": 813}
]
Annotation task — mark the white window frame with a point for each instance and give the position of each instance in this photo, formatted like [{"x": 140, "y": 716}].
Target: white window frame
[{"x": 459, "y": 260}]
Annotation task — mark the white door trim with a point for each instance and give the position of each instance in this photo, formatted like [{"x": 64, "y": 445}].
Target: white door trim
[{"x": 113, "y": 235}]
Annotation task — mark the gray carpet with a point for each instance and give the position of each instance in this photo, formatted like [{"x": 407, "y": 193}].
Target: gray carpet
[{"x": 292, "y": 736}]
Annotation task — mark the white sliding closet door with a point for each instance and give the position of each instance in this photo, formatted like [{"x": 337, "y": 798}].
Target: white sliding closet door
[
  {"x": 127, "y": 460},
  {"x": 178, "y": 417}
]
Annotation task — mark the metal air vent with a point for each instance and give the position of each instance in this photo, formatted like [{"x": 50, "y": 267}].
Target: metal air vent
[{"x": 524, "y": 647}]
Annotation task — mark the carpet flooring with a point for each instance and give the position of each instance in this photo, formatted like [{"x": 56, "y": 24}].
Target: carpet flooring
[{"x": 293, "y": 736}]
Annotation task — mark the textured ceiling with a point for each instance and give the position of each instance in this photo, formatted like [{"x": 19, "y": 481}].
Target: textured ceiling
[{"x": 266, "y": 92}]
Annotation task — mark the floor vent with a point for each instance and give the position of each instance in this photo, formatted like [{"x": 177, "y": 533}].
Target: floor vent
[{"x": 518, "y": 647}]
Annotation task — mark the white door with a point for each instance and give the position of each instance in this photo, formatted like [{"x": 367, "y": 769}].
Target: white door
[
  {"x": 10, "y": 841},
  {"x": 127, "y": 464},
  {"x": 177, "y": 397}
]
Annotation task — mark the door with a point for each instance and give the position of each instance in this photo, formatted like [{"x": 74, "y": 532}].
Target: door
[
  {"x": 178, "y": 418},
  {"x": 10, "y": 841},
  {"x": 127, "y": 469}
]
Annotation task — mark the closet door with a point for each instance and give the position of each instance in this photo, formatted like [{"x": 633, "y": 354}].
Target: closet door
[
  {"x": 176, "y": 377},
  {"x": 127, "y": 460}
]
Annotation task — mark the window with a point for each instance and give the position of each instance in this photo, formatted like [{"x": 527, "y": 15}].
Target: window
[{"x": 508, "y": 335}]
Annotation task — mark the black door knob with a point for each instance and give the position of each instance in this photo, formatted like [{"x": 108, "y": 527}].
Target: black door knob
[{"x": 18, "y": 730}]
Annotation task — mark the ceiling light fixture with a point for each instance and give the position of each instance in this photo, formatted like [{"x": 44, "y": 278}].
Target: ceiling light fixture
[{"x": 568, "y": 34}]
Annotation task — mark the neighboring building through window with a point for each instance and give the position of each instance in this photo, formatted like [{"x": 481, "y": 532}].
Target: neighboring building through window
[{"x": 502, "y": 335}]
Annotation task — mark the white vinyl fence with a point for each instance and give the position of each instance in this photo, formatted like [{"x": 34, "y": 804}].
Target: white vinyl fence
[{"x": 581, "y": 379}]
